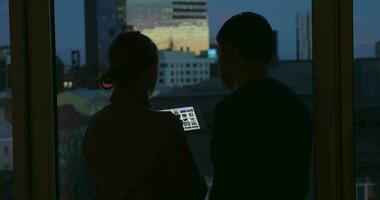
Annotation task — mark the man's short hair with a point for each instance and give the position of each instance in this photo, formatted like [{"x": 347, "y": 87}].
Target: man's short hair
[{"x": 251, "y": 34}]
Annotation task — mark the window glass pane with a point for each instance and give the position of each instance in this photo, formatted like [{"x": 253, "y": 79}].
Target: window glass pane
[
  {"x": 360, "y": 193},
  {"x": 6, "y": 139},
  {"x": 367, "y": 96},
  {"x": 185, "y": 34}
]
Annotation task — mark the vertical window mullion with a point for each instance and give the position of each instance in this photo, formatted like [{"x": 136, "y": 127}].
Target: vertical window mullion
[
  {"x": 33, "y": 99},
  {"x": 20, "y": 100},
  {"x": 332, "y": 33},
  {"x": 42, "y": 96}
]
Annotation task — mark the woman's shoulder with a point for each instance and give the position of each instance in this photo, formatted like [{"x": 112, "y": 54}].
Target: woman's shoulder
[
  {"x": 134, "y": 119},
  {"x": 166, "y": 121}
]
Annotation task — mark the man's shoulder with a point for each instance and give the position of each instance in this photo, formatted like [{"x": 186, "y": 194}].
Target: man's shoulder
[{"x": 226, "y": 103}]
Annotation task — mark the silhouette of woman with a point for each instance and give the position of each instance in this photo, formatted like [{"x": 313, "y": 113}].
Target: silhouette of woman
[{"x": 131, "y": 151}]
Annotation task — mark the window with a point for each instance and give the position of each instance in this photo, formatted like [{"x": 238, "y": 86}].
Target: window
[
  {"x": 77, "y": 105},
  {"x": 67, "y": 84},
  {"x": 366, "y": 191},
  {"x": 360, "y": 194},
  {"x": 367, "y": 98}
]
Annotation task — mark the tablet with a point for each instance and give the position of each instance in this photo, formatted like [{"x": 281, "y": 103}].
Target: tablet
[{"x": 190, "y": 116}]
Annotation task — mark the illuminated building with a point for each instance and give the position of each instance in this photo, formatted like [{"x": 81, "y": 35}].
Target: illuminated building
[
  {"x": 178, "y": 69},
  {"x": 172, "y": 25}
]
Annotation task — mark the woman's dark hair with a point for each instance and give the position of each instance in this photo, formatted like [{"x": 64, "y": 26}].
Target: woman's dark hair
[
  {"x": 129, "y": 56},
  {"x": 251, "y": 34}
]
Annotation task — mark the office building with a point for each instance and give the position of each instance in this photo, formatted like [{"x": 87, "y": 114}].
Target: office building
[
  {"x": 175, "y": 25},
  {"x": 377, "y": 49},
  {"x": 104, "y": 19},
  {"x": 304, "y": 39},
  {"x": 178, "y": 69},
  {"x": 5, "y": 68},
  {"x": 172, "y": 25}
]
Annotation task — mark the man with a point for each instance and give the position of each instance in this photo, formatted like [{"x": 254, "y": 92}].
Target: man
[{"x": 261, "y": 144}]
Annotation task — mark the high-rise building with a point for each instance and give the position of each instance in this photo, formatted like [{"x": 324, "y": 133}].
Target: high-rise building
[
  {"x": 377, "y": 49},
  {"x": 173, "y": 25},
  {"x": 275, "y": 41},
  {"x": 304, "y": 35},
  {"x": 104, "y": 19},
  {"x": 5, "y": 68},
  {"x": 178, "y": 25}
]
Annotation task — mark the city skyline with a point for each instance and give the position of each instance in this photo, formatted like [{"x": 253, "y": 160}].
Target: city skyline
[
  {"x": 70, "y": 28},
  {"x": 172, "y": 25}
]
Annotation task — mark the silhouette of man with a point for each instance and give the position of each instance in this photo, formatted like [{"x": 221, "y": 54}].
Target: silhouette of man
[
  {"x": 133, "y": 152},
  {"x": 261, "y": 143}
]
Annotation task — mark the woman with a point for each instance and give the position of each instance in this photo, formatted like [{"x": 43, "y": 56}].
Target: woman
[{"x": 133, "y": 152}]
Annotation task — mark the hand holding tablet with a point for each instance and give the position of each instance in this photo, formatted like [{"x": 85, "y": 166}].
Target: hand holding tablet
[{"x": 190, "y": 117}]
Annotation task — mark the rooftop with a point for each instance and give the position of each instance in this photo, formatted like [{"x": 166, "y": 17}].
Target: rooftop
[{"x": 91, "y": 95}]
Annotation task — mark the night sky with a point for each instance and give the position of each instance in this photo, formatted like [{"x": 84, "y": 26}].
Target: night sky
[{"x": 70, "y": 23}]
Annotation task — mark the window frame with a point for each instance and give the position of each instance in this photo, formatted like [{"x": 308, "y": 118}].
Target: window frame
[
  {"x": 34, "y": 99},
  {"x": 333, "y": 95}
]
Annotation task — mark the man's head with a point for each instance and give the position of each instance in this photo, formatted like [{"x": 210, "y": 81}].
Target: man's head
[{"x": 246, "y": 46}]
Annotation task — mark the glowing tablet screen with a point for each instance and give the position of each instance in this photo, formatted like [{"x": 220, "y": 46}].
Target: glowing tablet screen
[{"x": 188, "y": 115}]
